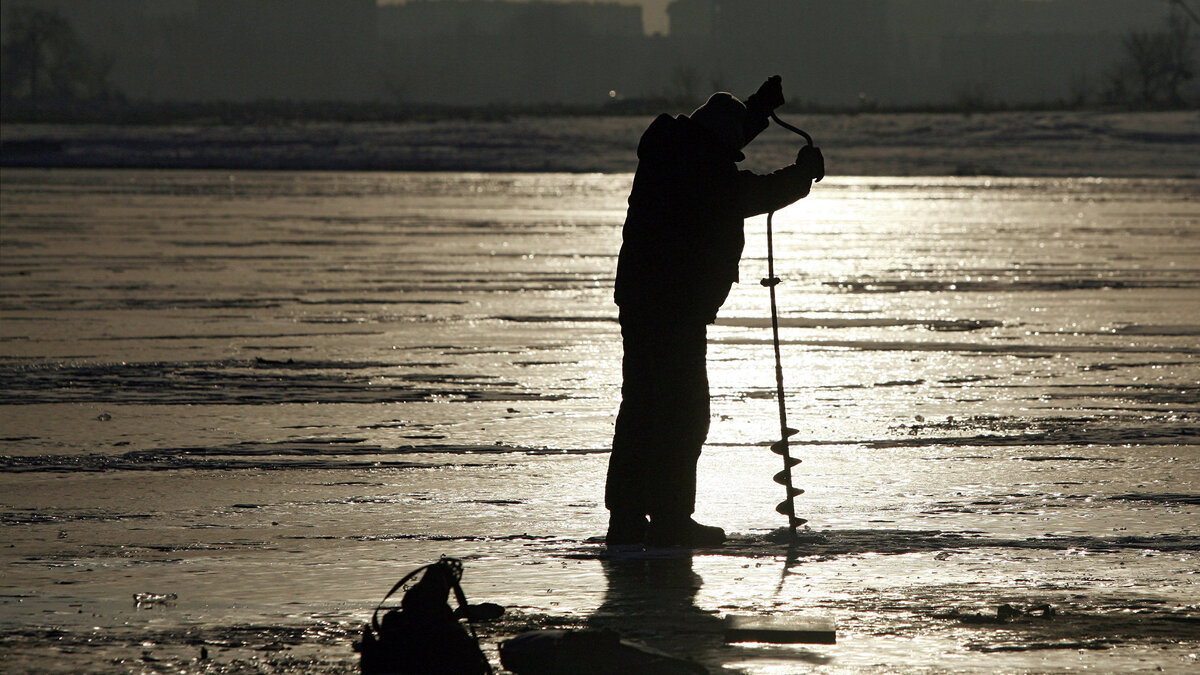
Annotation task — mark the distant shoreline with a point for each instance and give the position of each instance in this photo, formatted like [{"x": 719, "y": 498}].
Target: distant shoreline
[{"x": 1026, "y": 143}]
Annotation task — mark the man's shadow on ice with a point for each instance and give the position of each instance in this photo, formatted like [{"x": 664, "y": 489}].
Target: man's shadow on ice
[{"x": 654, "y": 601}]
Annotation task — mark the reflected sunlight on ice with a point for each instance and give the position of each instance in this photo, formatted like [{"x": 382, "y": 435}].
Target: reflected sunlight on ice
[{"x": 995, "y": 382}]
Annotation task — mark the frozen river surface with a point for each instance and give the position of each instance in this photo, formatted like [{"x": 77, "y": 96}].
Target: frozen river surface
[{"x": 264, "y": 397}]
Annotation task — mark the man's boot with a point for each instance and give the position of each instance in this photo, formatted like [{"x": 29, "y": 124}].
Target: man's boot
[
  {"x": 683, "y": 532},
  {"x": 626, "y": 531}
]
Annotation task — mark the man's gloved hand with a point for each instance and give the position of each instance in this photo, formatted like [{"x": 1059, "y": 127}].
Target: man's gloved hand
[
  {"x": 770, "y": 94},
  {"x": 761, "y": 105},
  {"x": 812, "y": 162}
]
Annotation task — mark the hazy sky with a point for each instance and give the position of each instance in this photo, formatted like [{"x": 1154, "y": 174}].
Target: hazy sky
[{"x": 654, "y": 15}]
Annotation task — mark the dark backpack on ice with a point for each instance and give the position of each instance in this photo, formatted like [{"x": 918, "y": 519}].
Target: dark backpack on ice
[{"x": 424, "y": 636}]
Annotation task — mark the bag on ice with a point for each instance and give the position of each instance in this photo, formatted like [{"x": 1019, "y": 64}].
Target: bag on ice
[{"x": 424, "y": 635}]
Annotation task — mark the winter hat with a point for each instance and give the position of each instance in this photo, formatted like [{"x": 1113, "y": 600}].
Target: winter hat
[{"x": 723, "y": 114}]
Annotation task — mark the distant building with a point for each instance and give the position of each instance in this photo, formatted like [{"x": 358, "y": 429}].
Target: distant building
[
  {"x": 287, "y": 49},
  {"x": 417, "y": 18},
  {"x": 848, "y": 52},
  {"x": 485, "y": 51},
  {"x": 1007, "y": 50},
  {"x": 474, "y": 52},
  {"x": 693, "y": 19}
]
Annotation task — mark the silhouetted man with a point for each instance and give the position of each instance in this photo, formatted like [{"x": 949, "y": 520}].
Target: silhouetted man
[{"x": 682, "y": 241}]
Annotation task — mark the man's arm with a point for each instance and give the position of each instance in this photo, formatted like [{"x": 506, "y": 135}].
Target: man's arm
[
  {"x": 762, "y": 193},
  {"x": 759, "y": 194}
]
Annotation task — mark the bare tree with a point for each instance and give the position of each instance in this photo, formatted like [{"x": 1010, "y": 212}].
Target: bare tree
[
  {"x": 42, "y": 56},
  {"x": 1155, "y": 67}
]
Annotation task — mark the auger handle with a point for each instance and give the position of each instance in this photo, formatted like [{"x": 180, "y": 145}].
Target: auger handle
[{"x": 795, "y": 130}]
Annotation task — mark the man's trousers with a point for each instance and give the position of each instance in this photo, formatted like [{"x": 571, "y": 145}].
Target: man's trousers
[{"x": 663, "y": 420}]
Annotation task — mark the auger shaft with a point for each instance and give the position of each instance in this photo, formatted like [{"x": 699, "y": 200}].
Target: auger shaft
[{"x": 788, "y": 506}]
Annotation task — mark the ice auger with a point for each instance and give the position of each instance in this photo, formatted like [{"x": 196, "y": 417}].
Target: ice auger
[{"x": 786, "y": 507}]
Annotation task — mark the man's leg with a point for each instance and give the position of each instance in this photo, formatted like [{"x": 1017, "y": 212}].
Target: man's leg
[
  {"x": 661, "y": 428},
  {"x": 625, "y": 490},
  {"x": 682, "y": 428},
  {"x": 681, "y": 421}
]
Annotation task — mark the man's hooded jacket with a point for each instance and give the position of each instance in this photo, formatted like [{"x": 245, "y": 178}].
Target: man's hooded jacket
[{"x": 683, "y": 238}]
